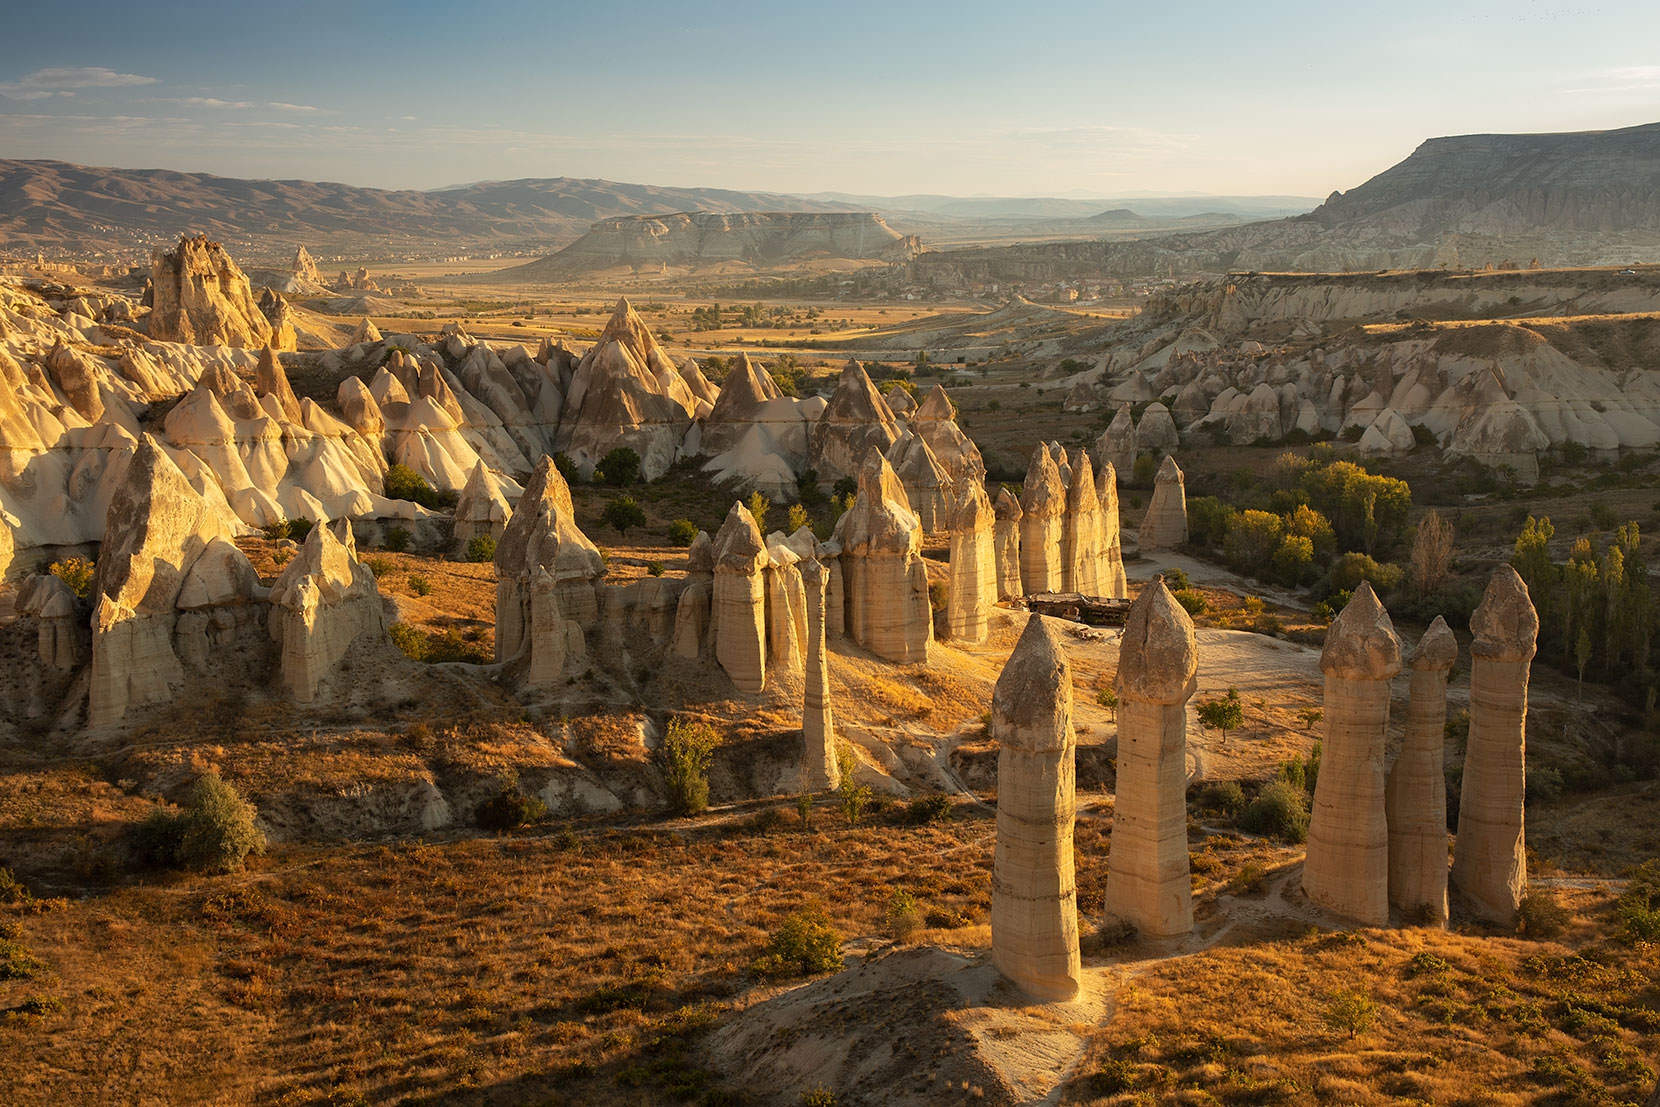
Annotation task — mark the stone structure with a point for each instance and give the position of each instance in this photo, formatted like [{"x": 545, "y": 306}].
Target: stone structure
[
  {"x": 482, "y": 510},
  {"x": 973, "y": 588},
  {"x": 324, "y": 600},
  {"x": 883, "y": 576},
  {"x": 928, "y": 487},
  {"x": 1415, "y": 801},
  {"x": 277, "y": 314},
  {"x": 1165, "y": 525},
  {"x": 786, "y": 606},
  {"x": 531, "y": 613},
  {"x": 936, "y": 421},
  {"x": 1489, "y": 869},
  {"x": 1110, "y": 581},
  {"x": 1042, "y": 504},
  {"x": 691, "y": 613},
  {"x": 739, "y": 608},
  {"x": 1148, "y": 882},
  {"x": 201, "y": 297},
  {"x": 819, "y": 771},
  {"x": 1347, "y": 866},
  {"x": 1117, "y": 444},
  {"x": 856, "y": 420},
  {"x": 1006, "y": 545},
  {"x": 1034, "y": 895},
  {"x": 1081, "y": 532}
]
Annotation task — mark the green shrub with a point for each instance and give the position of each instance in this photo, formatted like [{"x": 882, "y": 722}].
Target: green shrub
[
  {"x": 619, "y": 467},
  {"x": 758, "y": 505},
  {"x": 1351, "y": 1010},
  {"x": 481, "y": 548},
  {"x": 1176, "y": 579},
  {"x": 377, "y": 566},
  {"x": 1280, "y": 809},
  {"x": 688, "y": 750},
  {"x": 1541, "y": 914},
  {"x": 157, "y": 838},
  {"x": 276, "y": 531},
  {"x": 1192, "y": 602},
  {"x": 510, "y": 809},
  {"x": 1225, "y": 797},
  {"x": 931, "y": 809},
  {"x": 397, "y": 539},
  {"x": 77, "y": 573},
  {"x": 411, "y": 641},
  {"x": 624, "y": 512},
  {"x": 852, "y": 796},
  {"x": 682, "y": 533},
  {"x": 654, "y": 568},
  {"x": 216, "y": 832},
  {"x": 566, "y": 467},
  {"x": 404, "y": 483},
  {"x": 1639, "y": 905},
  {"x": 420, "y": 586},
  {"x": 903, "y": 918},
  {"x": 806, "y": 942},
  {"x": 299, "y": 528},
  {"x": 17, "y": 963}
]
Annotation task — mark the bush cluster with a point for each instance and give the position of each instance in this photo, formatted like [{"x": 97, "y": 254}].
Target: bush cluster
[
  {"x": 687, "y": 752},
  {"x": 214, "y": 833},
  {"x": 806, "y": 942}
]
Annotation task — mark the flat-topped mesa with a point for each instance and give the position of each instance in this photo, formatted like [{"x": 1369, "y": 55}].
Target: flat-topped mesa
[
  {"x": 739, "y": 606},
  {"x": 1415, "y": 802},
  {"x": 626, "y": 392},
  {"x": 884, "y": 580},
  {"x": 1165, "y": 525},
  {"x": 1034, "y": 896},
  {"x": 1006, "y": 544},
  {"x": 1347, "y": 865},
  {"x": 973, "y": 588},
  {"x": 1148, "y": 881},
  {"x": 1489, "y": 870},
  {"x": 483, "y": 508},
  {"x": 1042, "y": 504},
  {"x": 156, "y": 527},
  {"x": 855, "y": 420},
  {"x": 745, "y": 392},
  {"x": 542, "y": 534},
  {"x": 1110, "y": 580},
  {"x": 935, "y": 419},
  {"x": 819, "y": 771},
  {"x": 200, "y": 297},
  {"x": 1117, "y": 444},
  {"x": 1081, "y": 532},
  {"x": 928, "y": 486},
  {"x": 323, "y": 601}
]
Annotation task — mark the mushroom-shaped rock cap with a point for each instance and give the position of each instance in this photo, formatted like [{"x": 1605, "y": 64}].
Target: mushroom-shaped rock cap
[
  {"x": 1034, "y": 692},
  {"x": 1007, "y": 507},
  {"x": 1506, "y": 626},
  {"x": 739, "y": 547},
  {"x": 972, "y": 510},
  {"x": 1437, "y": 649},
  {"x": 1169, "y": 470},
  {"x": 1045, "y": 492},
  {"x": 1158, "y": 659},
  {"x": 1361, "y": 642},
  {"x": 701, "y": 557}
]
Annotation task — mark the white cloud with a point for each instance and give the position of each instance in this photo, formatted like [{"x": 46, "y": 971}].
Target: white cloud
[
  {"x": 280, "y": 106},
  {"x": 64, "y": 80},
  {"x": 1620, "y": 78}
]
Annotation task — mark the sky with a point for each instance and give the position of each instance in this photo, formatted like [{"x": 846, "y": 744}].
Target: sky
[{"x": 954, "y": 97}]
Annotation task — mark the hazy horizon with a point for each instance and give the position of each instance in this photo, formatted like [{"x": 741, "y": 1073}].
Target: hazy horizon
[{"x": 969, "y": 99}]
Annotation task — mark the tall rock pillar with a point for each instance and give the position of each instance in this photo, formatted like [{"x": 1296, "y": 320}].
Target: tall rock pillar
[
  {"x": 1034, "y": 894},
  {"x": 1042, "y": 503},
  {"x": 739, "y": 609},
  {"x": 818, "y": 726},
  {"x": 1489, "y": 858},
  {"x": 1164, "y": 527},
  {"x": 1109, "y": 572},
  {"x": 1416, "y": 798},
  {"x": 885, "y": 580},
  {"x": 1081, "y": 531},
  {"x": 1347, "y": 867},
  {"x": 1148, "y": 882},
  {"x": 973, "y": 588},
  {"x": 1006, "y": 545}
]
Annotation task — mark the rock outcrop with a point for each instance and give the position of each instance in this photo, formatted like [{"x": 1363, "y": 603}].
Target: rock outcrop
[
  {"x": 1042, "y": 506},
  {"x": 1081, "y": 532},
  {"x": 1165, "y": 525},
  {"x": 856, "y": 420},
  {"x": 1110, "y": 580},
  {"x": 1415, "y": 801},
  {"x": 1006, "y": 545},
  {"x": 1489, "y": 869},
  {"x": 883, "y": 576},
  {"x": 484, "y": 507},
  {"x": 1148, "y": 880},
  {"x": 1034, "y": 895},
  {"x": 928, "y": 487},
  {"x": 1117, "y": 444},
  {"x": 1347, "y": 867},
  {"x": 739, "y": 608},
  {"x": 972, "y": 591},
  {"x": 539, "y": 619},
  {"x": 324, "y": 601},
  {"x": 935, "y": 419},
  {"x": 202, "y": 298},
  {"x": 819, "y": 770}
]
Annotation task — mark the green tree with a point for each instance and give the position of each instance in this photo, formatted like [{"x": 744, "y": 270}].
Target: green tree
[
  {"x": 1224, "y": 714},
  {"x": 1305, "y": 522},
  {"x": 758, "y": 505},
  {"x": 404, "y": 483},
  {"x": 1531, "y": 560},
  {"x": 687, "y": 751},
  {"x": 1292, "y": 560},
  {"x": 1108, "y": 698},
  {"x": 798, "y": 518},
  {"x": 1350, "y": 1010},
  {"x": 619, "y": 467},
  {"x": 217, "y": 830},
  {"x": 624, "y": 512},
  {"x": 1252, "y": 539}
]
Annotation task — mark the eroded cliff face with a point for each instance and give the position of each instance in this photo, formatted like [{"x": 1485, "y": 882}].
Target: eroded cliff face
[{"x": 763, "y": 239}]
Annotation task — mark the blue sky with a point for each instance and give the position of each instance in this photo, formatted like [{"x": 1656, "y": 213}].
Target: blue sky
[{"x": 965, "y": 98}]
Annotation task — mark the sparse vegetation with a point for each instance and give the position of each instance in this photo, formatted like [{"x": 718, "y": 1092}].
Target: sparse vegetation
[
  {"x": 77, "y": 573},
  {"x": 687, "y": 752},
  {"x": 481, "y": 548},
  {"x": 214, "y": 833}
]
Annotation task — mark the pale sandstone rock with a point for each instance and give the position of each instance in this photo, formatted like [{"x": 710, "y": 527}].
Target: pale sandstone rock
[
  {"x": 1156, "y": 431},
  {"x": 270, "y": 380},
  {"x": 1109, "y": 570},
  {"x": 626, "y": 392},
  {"x": 900, "y": 403},
  {"x": 936, "y": 421},
  {"x": 1117, "y": 444},
  {"x": 202, "y": 298},
  {"x": 1148, "y": 882},
  {"x": 739, "y": 605},
  {"x": 884, "y": 579},
  {"x": 973, "y": 587},
  {"x": 51, "y": 604},
  {"x": 1165, "y": 525},
  {"x": 324, "y": 601},
  {"x": 366, "y": 333},
  {"x": 483, "y": 509},
  {"x": 1490, "y": 855},
  {"x": 1042, "y": 504},
  {"x": 819, "y": 770},
  {"x": 856, "y": 420},
  {"x": 1034, "y": 895},
  {"x": 743, "y": 396},
  {"x": 1347, "y": 866},
  {"x": 691, "y": 616},
  {"x": 786, "y": 609},
  {"x": 1081, "y": 399},
  {"x": 1006, "y": 545},
  {"x": 1081, "y": 532},
  {"x": 1415, "y": 801},
  {"x": 543, "y": 534},
  {"x": 275, "y": 310},
  {"x": 928, "y": 486}
]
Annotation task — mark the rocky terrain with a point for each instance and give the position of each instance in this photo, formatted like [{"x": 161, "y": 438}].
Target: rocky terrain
[{"x": 688, "y": 242}]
